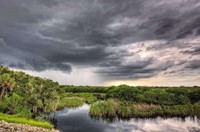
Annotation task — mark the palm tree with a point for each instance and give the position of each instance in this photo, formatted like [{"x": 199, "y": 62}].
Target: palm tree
[
  {"x": 6, "y": 84},
  {"x": 48, "y": 95}
]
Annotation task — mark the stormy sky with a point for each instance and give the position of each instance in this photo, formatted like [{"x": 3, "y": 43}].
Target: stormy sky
[{"x": 103, "y": 42}]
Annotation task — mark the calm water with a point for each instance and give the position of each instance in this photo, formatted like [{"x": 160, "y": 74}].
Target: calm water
[{"x": 78, "y": 120}]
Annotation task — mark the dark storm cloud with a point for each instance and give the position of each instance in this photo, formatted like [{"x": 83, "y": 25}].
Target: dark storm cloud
[
  {"x": 49, "y": 3},
  {"x": 139, "y": 69},
  {"x": 57, "y": 34},
  {"x": 89, "y": 22},
  {"x": 193, "y": 51},
  {"x": 126, "y": 21},
  {"x": 127, "y": 72},
  {"x": 15, "y": 58},
  {"x": 194, "y": 64}
]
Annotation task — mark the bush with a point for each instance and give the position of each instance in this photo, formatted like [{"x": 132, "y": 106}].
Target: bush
[
  {"x": 194, "y": 95},
  {"x": 124, "y": 92},
  {"x": 12, "y": 104},
  {"x": 25, "y": 113}
]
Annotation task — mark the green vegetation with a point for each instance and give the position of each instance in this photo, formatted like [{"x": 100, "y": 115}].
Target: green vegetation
[
  {"x": 75, "y": 99},
  {"x": 86, "y": 97},
  {"x": 116, "y": 108},
  {"x": 26, "y": 96},
  {"x": 18, "y": 89},
  {"x": 130, "y": 101},
  {"x": 83, "y": 89},
  {"x": 70, "y": 102},
  {"x": 16, "y": 119},
  {"x": 102, "y": 109}
]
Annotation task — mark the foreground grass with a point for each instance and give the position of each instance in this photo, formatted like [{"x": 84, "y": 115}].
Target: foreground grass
[
  {"x": 116, "y": 108},
  {"x": 31, "y": 122}
]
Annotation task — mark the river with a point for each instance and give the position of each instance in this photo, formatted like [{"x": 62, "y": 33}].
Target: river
[{"x": 78, "y": 120}]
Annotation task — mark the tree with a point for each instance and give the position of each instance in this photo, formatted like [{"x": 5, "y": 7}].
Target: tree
[
  {"x": 48, "y": 95},
  {"x": 13, "y": 103},
  {"x": 6, "y": 84}
]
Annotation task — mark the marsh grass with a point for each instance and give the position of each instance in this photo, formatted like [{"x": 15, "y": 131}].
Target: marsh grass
[
  {"x": 31, "y": 122},
  {"x": 70, "y": 102},
  {"x": 102, "y": 109},
  {"x": 87, "y": 97},
  {"x": 146, "y": 110},
  {"x": 116, "y": 108},
  {"x": 76, "y": 99},
  {"x": 196, "y": 109}
]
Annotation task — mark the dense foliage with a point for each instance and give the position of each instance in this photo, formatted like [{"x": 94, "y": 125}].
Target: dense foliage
[
  {"x": 139, "y": 94},
  {"x": 83, "y": 89},
  {"x": 24, "y": 93},
  {"x": 156, "y": 95}
]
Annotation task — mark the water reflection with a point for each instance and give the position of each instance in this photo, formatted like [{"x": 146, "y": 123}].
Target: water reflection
[{"x": 78, "y": 120}]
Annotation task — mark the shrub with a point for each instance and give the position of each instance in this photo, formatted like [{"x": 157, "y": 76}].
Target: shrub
[
  {"x": 12, "y": 104},
  {"x": 194, "y": 95}
]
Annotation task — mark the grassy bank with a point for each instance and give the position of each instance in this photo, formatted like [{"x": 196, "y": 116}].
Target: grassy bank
[
  {"x": 31, "y": 122},
  {"x": 86, "y": 97},
  {"x": 75, "y": 99},
  {"x": 70, "y": 102},
  {"x": 115, "y": 108}
]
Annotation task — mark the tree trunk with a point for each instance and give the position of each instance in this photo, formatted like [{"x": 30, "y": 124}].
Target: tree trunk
[{"x": 2, "y": 92}]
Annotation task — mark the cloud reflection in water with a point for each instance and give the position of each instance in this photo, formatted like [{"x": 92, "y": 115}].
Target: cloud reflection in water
[{"x": 78, "y": 120}]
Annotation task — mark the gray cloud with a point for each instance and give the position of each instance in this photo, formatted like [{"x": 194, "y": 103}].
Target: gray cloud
[
  {"x": 193, "y": 51},
  {"x": 125, "y": 22},
  {"x": 127, "y": 72},
  {"x": 2, "y": 42},
  {"x": 15, "y": 58},
  {"x": 57, "y": 34},
  {"x": 194, "y": 64}
]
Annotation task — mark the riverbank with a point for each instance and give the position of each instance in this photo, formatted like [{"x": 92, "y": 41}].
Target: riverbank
[
  {"x": 13, "y": 127},
  {"x": 31, "y": 122},
  {"x": 12, "y": 123}
]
